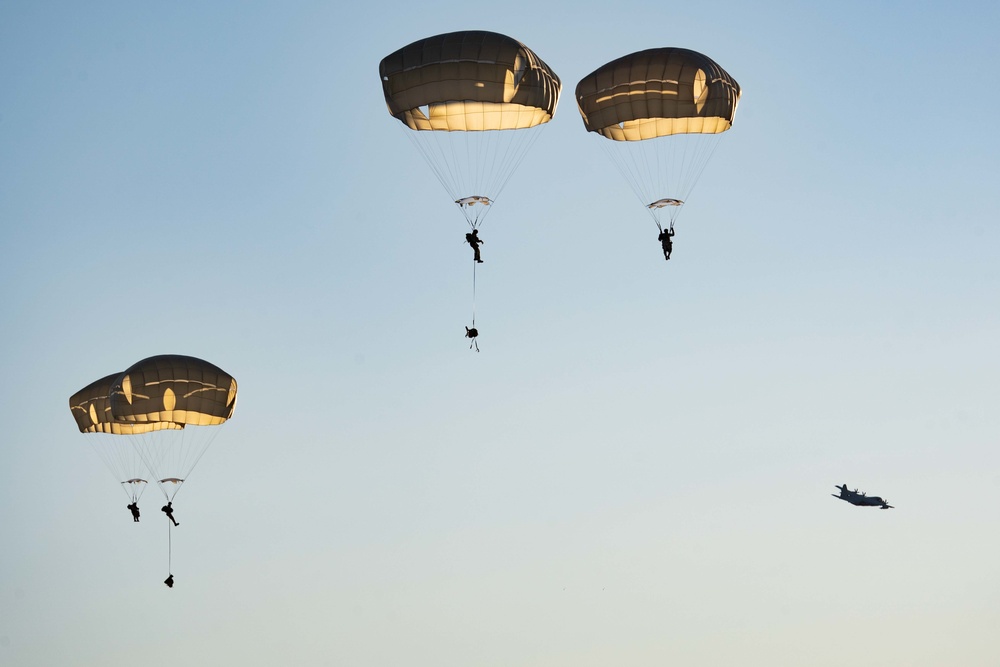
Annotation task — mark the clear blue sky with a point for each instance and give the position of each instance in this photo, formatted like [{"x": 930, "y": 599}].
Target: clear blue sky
[{"x": 636, "y": 468}]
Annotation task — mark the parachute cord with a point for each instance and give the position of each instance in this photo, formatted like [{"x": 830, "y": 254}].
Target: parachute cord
[
  {"x": 473, "y": 294},
  {"x": 170, "y": 549}
]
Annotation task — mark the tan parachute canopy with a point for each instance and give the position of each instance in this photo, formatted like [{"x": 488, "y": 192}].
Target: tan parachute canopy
[
  {"x": 173, "y": 388},
  {"x": 469, "y": 81},
  {"x": 657, "y": 93},
  {"x": 91, "y": 408}
]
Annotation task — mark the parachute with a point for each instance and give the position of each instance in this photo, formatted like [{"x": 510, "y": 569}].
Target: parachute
[
  {"x": 175, "y": 389},
  {"x": 114, "y": 441},
  {"x": 146, "y": 414},
  {"x": 663, "y": 111},
  {"x": 471, "y": 99}
]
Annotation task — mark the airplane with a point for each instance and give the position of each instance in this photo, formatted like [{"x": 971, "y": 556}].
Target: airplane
[{"x": 861, "y": 499}]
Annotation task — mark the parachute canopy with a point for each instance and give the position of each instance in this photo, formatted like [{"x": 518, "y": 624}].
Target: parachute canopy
[
  {"x": 173, "y": 388},
  {"x": 469, "y": 81},
  {"x": 91, "y": 409},
  {"x": 658, "y": 93}
]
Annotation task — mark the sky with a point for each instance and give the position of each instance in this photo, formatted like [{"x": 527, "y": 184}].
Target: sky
[{"x": 636, "y": 469}]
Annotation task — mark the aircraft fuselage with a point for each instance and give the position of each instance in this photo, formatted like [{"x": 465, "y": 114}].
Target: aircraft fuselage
[{"x": 861, "y": 499}]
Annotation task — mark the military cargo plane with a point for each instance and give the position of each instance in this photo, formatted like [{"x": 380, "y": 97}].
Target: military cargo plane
[{"x": 861, "y": 499}]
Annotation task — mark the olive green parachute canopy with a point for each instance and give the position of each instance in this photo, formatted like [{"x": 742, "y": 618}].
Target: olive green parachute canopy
[
  {"x": 173, "y": 388},
  {"x": 658, "y": 93},
  {"x": 469, "y": 81},
  {"x": 91, "y": 408}
]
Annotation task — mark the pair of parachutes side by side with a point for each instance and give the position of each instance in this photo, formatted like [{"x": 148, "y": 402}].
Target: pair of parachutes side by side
[
  {"x": 139, "y": 421},
  {"x": 472, "y": 101}
]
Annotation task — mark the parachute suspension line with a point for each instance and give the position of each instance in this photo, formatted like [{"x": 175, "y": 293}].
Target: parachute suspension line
[
  {"x": 481, "y": 149},
  {"x": 435, "y": 158},
  {"x": 450, "y": 160},
  {"x": 195, "y": 441},
  {"x": 199, "y": 452},
  {"x": 174, "y": 454},
  {"x": 473, "y": 163},
  {"x": 148, "y": 449},
  {"x": 515, "y": 155},
  {"x": 664, "y": 167},
  {"x": 493, "y": 156},
  {"x": 486, "y": 144},
  {"x": 120, "y": 458},
  {"x": 695, "y": 152},
  {"x": 134, "y": 490},
  {"x": 630, "y": 171}
]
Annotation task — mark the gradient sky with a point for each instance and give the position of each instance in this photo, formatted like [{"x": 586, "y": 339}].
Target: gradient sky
[{"x": 636, "y": 468}]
